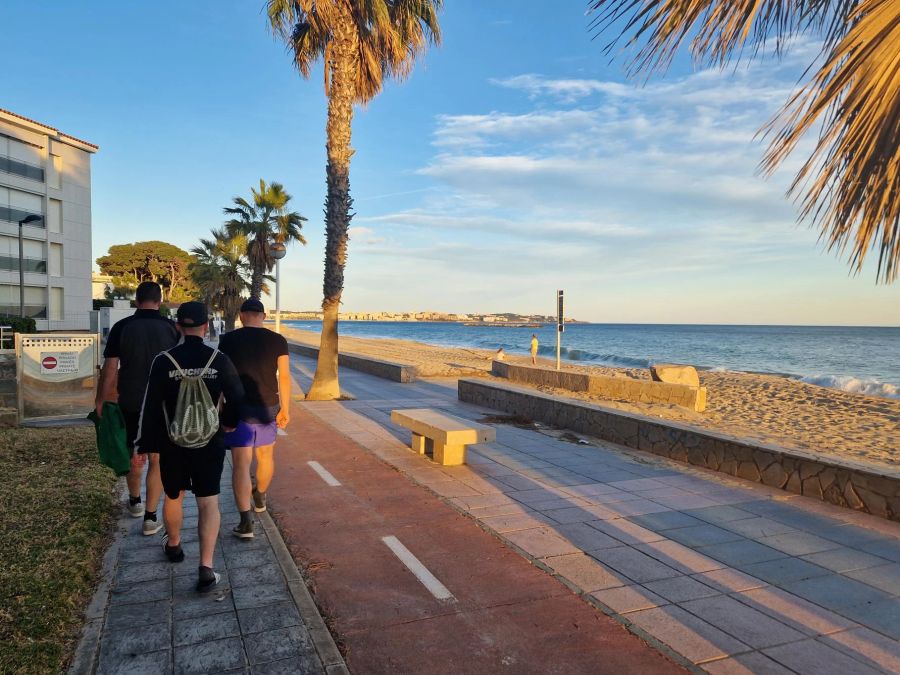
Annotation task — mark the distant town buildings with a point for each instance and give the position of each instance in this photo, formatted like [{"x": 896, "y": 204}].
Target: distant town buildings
[
  {"x": 425, "y": 316},
  {"x": 45, "y": 176}
]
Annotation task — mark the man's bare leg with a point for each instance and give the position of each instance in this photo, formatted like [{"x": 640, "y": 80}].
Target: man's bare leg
[
  {"x": 154, "y": 483},
  {"x": 240, "y": 477},
  {"x": 265, "y": 467},
  {"x": 208, "y": 522},
  {"x": 173, "y": 516},
  {"x": 133, "y": 479}
]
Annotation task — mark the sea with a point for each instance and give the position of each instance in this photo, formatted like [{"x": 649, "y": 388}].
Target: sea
[{"x": 855, "y": 359}]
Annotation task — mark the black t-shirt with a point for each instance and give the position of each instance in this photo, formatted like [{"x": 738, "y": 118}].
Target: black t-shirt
[
  {"x": 135, "y": 341},
  {"x": 255, "y": 352}
]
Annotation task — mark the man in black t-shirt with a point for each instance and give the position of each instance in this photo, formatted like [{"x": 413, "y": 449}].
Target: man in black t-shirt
[
  {"x": 261, "y": 359},
  {"x": 132, "y": 345}
]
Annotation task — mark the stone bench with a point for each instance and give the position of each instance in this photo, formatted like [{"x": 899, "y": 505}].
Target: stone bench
[{"x": 446, "y": 434}]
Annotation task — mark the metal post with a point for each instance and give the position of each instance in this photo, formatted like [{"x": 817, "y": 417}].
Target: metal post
[
  {"x": 278, "y": 296},
  {"x": 558, "y": 346},
  {"x": 560, "y": 325},
  {"x": 21, "y": 274}
]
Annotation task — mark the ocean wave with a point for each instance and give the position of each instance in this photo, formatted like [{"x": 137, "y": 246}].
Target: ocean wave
[
  {"x": 572, "y": 354},
  {"x": 854, "y": 385}
]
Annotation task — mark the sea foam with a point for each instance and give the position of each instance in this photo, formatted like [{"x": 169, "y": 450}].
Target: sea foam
[{"x": 854, "y": 385}]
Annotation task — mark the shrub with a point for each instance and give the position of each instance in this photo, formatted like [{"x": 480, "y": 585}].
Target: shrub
[{"x": 18, "y": 324}]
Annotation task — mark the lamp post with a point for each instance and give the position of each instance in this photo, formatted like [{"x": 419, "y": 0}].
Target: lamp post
[
  {"x": 277, "y": 250},
  {"x": 25, "y": 221}
]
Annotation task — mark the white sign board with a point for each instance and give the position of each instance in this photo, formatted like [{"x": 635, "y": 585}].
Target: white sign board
[{"x": 59, "y": 363}]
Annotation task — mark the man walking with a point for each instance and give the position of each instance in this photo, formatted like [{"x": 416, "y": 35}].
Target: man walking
[
  {"x": 181, "y": 417},
  {"x": 534, "y": 349},
  {"x": 261, "y": 359},
  {"x": 132, "y": 345}
]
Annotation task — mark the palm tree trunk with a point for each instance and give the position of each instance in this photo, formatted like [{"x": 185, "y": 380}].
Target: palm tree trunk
[{"x": 345, "y": 64}]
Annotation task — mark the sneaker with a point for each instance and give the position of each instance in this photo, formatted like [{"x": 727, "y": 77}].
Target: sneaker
[
  {"x": 136, "y": 510},
  {"x": 207, "y": 580},
  {"x": 243, "y": 530},
  {"x": 151, "y": 527},
  {"x": 259, "y": 501},
  {"x": 175, "y": 554}
]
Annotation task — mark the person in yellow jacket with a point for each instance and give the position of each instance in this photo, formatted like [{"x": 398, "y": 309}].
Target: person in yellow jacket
[{"x": 534, "y": 349}]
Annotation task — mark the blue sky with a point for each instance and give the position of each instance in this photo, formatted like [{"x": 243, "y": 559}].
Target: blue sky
[{"x": 516, "y": 160}]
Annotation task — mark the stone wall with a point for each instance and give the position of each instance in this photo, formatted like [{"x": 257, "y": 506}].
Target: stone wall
[
  {"x": 397, "y": 372},
  {"x": 831, "y": 479},
  {"x": 9, "y": 403},
  {"x": 622, "y": 388}
]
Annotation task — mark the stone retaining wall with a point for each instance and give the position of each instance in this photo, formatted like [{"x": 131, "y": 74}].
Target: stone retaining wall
[
  {"x": 9, "y": 403},
  {"x": 623, "y": 388},
  {"x": 831, "y": 479},
  {"x": 397, "y": 372}
]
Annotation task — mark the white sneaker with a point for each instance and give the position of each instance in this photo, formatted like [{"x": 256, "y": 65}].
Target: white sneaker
[
  {"x": 136, "y": 510},
  {"x": 152, "y": 527}
]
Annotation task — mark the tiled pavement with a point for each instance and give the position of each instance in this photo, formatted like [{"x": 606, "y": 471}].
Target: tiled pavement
[
  {"x": 146, "y": 617},
  {"x": 732, "y": 576}
]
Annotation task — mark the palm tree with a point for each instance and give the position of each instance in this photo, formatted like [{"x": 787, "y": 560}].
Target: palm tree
[
  {"x": 221, "y": 272},
  {"x": 362, "y": 42},
  {"x": 852, "y": 179},
  {"x": 264, "y": 220}
]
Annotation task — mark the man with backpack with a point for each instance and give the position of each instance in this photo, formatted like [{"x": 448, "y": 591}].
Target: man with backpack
[
  {"x": 185, "y": 417},
  {"x": 131, "y": 346},
  {"x": 261, "y": 359}
]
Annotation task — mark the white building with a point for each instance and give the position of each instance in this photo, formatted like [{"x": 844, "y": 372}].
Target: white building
[{"x": 46, "y": 173}]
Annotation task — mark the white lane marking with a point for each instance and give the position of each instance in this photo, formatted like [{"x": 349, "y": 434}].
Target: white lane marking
[
  {"x": 324, "y": 474},
  {"x": 429, "y": 581}
]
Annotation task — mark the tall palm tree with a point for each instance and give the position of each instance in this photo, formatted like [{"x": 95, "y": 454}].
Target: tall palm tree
[
  {"x": 264, "y": 220},
  {"x": 852, "y": 179},
  {"x": 222, "y": 273},
  {"x": 362, "y": 42}
]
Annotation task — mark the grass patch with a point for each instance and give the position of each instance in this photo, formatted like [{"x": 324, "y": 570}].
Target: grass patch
[
  {"x": 57, "y": 512},
  {"x": 516, "y": 420}
]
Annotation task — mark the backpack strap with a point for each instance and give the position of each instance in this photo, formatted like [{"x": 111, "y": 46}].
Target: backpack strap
[
  {"x": 175, "y": 363},
  {"x": 208, "y": 363}
]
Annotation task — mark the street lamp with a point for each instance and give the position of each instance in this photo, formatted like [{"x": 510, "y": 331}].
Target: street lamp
[
  {"x": 277, "y": 250},
  {"x": 25, "y": 221}
]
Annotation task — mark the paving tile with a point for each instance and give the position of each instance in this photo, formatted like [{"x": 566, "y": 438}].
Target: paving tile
[
  {"x": 148, "y": 663},
  {"x": 735, "y": 618},
  {"x": 123, "y": 645},
  {"x": 756, "y": 528},
  {"x": 500, "y": 510},
  {"x": 634, "y": 564},
  {"x": 719, "y": 514},
  {"x": 794, "y": 611},
  {"x": 884, "y": 577},
  {"x": 665, "y": 520},
  {"x": 883, "y": 547},
  {"x": 685, "y": 503},
  {"x": 259, "y": 595},
  {"x": 513, "y": 522},
  {"x": 585, "y": 537},
  {"x": 626, "y": 531},
  {"x": 812, "y": 656},
  {"x": 753, "y": 663},
  {"x": 681, "y": 589},
  {"x": 867, "y": 646},
  {"x": 580, "y": 514},
  {"x": 205, "y": 628},
  {"x": 882, "y": 616},
  {"x": 705, "y": 534},
  {"x": 293, "y": 666},
  {"x": 844, "y": 559},
  {"x": 613, "y": 497},
  {"x": 729, "y": 580},
  {"x": 687, "y": 634},
  {"x": 249, "y": 558},
  {"x": 637, "y": 484},
  {"x": 680, "y": 557},
  {"x": 590, "y": 489},
  {"x": 540, "y": 542},
  {"x": 210, "y": 657},
  {"x": 585, "y": 572},
  {"x": 636, "y": 507},
  {"x": 278, "y": 644},
  {"x": 264, "y": 574},
  {"x": 136, "y": 572},
  {"x": 148, "y": 613},
  {"x": 625, "y": 599},
  {"x": 483, "y": 500},
  {"x": 784, "y": 570},
  {"x": 279, "y": 615},
  {"x": 837, "y": 592},
  {"x": 798, "y": 543},
  {"x": 741, "y": 552},
  {"x": 144, "y": 591}
]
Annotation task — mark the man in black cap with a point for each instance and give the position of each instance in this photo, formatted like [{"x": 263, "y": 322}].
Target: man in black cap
[
  {"x": 190, "y": 467},
  {"x": 261, "y": 359},
  {"x": 132, "y": 345}
]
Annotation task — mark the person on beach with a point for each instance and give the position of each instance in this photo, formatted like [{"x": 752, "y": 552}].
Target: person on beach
[
  {"x": 261, "y": 359},
  {"x": 194, "y": 467},
  {"x": 500, "y": 355},
  {"x": 534, "y": 349},
  {"x": 132, "y": 345}
]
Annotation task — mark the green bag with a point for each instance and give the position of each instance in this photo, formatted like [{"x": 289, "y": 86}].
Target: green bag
[{"x": 112, "y": 444}]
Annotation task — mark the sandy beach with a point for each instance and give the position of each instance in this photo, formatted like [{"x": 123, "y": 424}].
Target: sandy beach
[{"x": 768, "y": 408}]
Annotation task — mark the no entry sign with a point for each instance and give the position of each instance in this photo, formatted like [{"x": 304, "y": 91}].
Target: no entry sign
[
  {"x": 59, "y": 363},
  {"x": 49, "y": 363}
]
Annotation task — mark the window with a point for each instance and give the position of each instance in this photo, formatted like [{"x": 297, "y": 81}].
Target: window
[
  {"x": 55, "y": 172},
  {"x": 54, "y": 215},
  {"x": 55, "y": 261},
  {"x": 33, "y": 255},
  {"x": 22, "y": 159},
  {"x": 35, "y": 301},
  {"x": 56, "y": 304},
  {"x": 16, "y": 205}
]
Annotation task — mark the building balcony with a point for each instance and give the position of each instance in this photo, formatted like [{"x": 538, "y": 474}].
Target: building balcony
[
  {"x": 19, "y": 168},
  {"x": 10, "y": 263},
  {"x": 15, "y": 216}
]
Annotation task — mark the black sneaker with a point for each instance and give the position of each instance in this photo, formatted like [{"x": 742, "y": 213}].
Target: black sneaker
[
  {"x": 175, "y": 554},
  {"x": 259, "y": 501},
  {"x": 207, "y": 579},
  {"x": 243, "y": 530}
]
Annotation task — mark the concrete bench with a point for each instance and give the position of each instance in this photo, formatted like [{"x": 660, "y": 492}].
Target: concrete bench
[{"x": 448, "y": 435}]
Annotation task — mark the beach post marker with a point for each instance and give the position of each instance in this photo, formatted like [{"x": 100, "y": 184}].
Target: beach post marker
[
  {"x": 277, "y": 250},
  {"x": 560, "y": 324}
]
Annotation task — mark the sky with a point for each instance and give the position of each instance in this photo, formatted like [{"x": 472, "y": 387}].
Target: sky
[{"x": 517, "y": 159}]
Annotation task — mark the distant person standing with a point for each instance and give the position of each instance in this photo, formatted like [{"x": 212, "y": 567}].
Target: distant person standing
[
  {"x": 534, "y": 349},
  {"x": 262, "y": 361},
  {"x": 132, "y": 345},
  {"x": 184, "y": 416}
]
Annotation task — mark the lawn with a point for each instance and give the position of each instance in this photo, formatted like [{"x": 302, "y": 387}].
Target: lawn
[{"x": 56, "y": 513}]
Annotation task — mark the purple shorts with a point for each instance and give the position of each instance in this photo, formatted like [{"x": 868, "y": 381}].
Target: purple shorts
[{"x": 251, "y": 435}]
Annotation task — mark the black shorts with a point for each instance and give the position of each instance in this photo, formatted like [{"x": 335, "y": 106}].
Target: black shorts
[
  {"x": 198, "y": 470},
  {"x": 132, "y": 421}
]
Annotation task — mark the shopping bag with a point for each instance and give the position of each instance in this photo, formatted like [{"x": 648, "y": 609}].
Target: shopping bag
[{"x": 112, "y": 445}]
